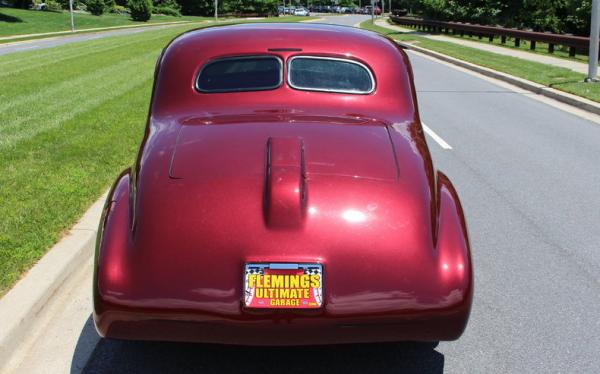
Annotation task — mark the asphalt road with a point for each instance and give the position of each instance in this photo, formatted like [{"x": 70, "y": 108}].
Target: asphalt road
[{"x": 528, "y": 176}]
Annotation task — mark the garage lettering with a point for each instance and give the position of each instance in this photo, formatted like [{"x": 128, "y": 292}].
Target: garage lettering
[
  {"x": 284, "y": 281},
  {"x": 283, "y": 290}
]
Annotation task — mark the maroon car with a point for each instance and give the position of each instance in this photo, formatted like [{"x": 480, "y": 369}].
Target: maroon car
[{"x": 283, "y": 194}]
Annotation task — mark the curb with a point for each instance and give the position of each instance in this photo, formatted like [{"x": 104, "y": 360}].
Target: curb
[
  {"x": 540, "y": 89},
  {"x": 27, "y": 299}
]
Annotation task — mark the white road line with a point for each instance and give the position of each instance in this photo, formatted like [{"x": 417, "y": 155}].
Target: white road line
[{"x": 436, "y": 137}]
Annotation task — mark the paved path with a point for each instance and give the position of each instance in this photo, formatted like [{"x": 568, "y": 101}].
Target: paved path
[
  {"x": 548, "y": 60},
  {"x": 528, "y": 176},
  {"x": 60, "y": 40}
]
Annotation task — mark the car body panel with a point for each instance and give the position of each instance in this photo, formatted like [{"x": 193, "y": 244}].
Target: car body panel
[{"x": 283, "y": 176}]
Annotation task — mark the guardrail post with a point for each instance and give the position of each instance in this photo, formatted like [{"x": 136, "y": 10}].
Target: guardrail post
[
  {"x": 491, "y": 38},
  {"x": 517, "y": 42},
  {"x": 503, "y": 39},
  {"x": 532, "y": 45},
  {"x": 550, "y": 48},
  {"x": 572, "y": 51}
]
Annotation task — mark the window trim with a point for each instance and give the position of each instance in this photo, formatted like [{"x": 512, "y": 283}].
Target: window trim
[
  {"x": 244, "y": 57},
  {"x": 354, "y": 92}
]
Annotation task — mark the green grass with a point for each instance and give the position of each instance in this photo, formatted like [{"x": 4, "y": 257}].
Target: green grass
[
  {"x": 20, "y": 21},
  {"x": 72, "y": 119},
  {"x": 556, "y": 77}
]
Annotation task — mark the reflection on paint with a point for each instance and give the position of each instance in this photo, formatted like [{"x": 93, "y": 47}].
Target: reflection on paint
[{"x": 354, "y": 216}]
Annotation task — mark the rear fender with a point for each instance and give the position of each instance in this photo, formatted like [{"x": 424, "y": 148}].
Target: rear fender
[
  {"x": 110, "y": 261},
  {"x": 453, "y": 252}
]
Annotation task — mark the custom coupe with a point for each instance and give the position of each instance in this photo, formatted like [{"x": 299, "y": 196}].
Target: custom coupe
[{"x": 283, "y": 194}]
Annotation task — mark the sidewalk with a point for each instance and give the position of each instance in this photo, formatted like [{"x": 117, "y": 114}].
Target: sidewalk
[
  {"x": 576, "y": 66},
  {"x": 69, "y": 32}
]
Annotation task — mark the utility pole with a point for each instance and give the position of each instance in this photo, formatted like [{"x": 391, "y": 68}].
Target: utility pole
[
  {"x": 594, "y": 39},
  {"x": 216, "y": 6},
  {"x": 373, "y": 11},
  {"x": 71, "y": 11}
]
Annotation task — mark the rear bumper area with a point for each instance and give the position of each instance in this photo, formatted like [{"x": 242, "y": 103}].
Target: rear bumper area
[
  {"x": 283, "y": 330},
  {"x": 412, "y": 292}
]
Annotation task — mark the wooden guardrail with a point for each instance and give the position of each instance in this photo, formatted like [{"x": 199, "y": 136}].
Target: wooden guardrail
[{"x": 574, "y": 43}]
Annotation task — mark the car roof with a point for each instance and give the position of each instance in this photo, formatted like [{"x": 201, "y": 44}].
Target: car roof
[
  {"x": 181, "y": 61},
  {"x": 263, "y": 36}
]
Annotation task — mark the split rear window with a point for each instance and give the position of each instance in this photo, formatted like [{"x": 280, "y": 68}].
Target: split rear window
[
  {"x": 309, "y": 73},
  {"x": 329, "y": 74},
  {"x": 240, "y": 74}
]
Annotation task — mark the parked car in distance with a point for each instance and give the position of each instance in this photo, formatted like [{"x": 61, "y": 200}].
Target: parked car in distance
[
  {"x": 283, "y": 194},
  {"x": 377, "y": 11},
  {"x": 301, "y": 12}
]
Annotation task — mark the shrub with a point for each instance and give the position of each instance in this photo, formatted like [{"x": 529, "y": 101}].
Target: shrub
[
  {"x": 141, "y": 10},
  {"x": 53, "y": 6},
  {"x": 167, "y": 11},
  {"x": 96, "y": 7},
  {"x": 119, "y": 9}
]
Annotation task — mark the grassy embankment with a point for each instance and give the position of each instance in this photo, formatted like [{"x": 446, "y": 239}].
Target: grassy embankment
[
  {"x": 20, "y": 21},
  {"x": 72, "y": 118},
  {"x": 555, "y": 77}
]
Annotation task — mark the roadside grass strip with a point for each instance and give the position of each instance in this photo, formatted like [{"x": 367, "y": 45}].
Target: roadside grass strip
[
  {"x": 556, "y": 77},
  {"x": 71, "y": 118},
  {"x": 39, "y": 59}
]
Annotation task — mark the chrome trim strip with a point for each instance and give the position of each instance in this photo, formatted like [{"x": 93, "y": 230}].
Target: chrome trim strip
[
  {"x": 356, "y": 92},
  {"x": 244, "y": 57}
]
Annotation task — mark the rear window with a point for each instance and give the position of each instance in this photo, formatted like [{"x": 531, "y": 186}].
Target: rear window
[
  {"x": 235, "y": 74},
  {"x": 330, "y": 74}
]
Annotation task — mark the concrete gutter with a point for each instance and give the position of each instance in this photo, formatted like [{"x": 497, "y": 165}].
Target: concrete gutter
[
  {"x": 540, "y": 89},
  {"x": 27, "y": 300}
]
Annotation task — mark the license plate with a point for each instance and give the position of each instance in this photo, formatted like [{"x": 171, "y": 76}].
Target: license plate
[{"x": 283, "y": 286}]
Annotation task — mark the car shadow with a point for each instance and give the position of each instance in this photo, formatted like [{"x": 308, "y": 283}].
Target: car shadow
[
  {"x": 86, "y": 344},
  {"x": 114, "y": 356}
]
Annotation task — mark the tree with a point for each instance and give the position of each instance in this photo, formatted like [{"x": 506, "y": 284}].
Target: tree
[
  {"x": 197, "y": 7},
  {"x": 141, "y": 10},
  {"x": 579, "y": 14},
  {"x": 24, "y": 4}
]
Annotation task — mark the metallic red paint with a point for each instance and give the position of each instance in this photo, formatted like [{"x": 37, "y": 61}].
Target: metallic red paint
[{"x": 223, "y": 179}]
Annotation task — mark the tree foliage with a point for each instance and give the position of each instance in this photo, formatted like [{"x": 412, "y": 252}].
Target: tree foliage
[
  {"x": 207, "y": 7},
  {"x": 563, "y": 16}
]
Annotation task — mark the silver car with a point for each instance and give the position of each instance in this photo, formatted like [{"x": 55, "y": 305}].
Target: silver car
[{"x": 301, "y": 12}]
